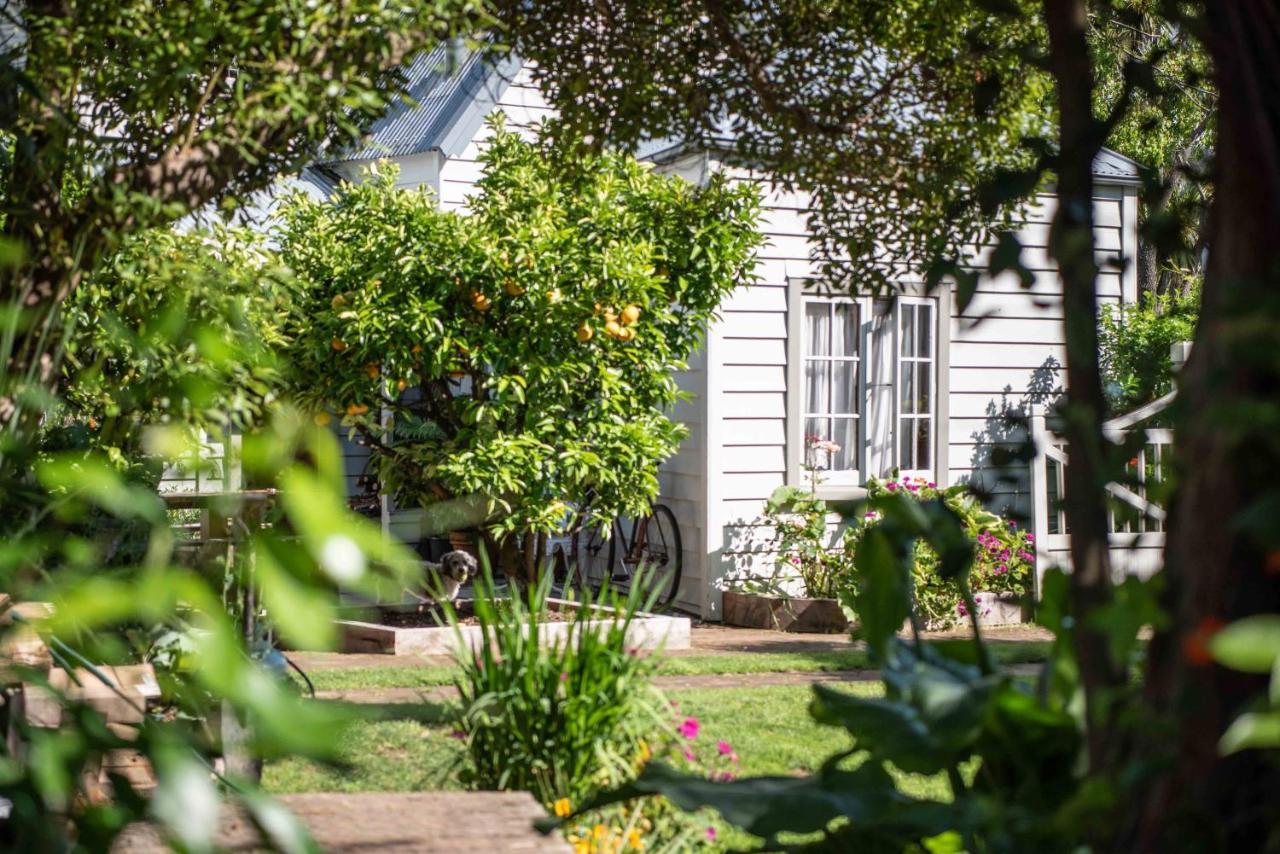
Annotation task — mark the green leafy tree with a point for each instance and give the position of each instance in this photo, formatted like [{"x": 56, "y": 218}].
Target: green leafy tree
[
  {"x": 176, "y": 328},
  {"x": 1136, "y": 343},
  {"x": 526, "y": 348},
  {"x": 1151, "y": 776}
]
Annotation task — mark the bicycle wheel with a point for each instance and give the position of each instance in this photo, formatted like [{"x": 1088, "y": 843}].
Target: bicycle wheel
[
  {"x": 597, "y": 557},
  {"x": 658, "y": 550}
]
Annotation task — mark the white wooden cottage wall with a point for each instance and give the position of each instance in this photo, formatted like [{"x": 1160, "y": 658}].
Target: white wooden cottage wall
[{"x": 1007, "y": 343}]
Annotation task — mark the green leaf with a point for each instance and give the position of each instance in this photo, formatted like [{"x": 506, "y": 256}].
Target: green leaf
[
  {"x": 1251, "y": 730},
  {"x": 1251, "y": 644},
  {"x": 882, "y": 599},
  {"x": 889, "y": 729},
  {"x": 302, "y": 610}
]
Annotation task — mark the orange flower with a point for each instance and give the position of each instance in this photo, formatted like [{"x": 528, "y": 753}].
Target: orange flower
[{"x": 1195, "y": 646}]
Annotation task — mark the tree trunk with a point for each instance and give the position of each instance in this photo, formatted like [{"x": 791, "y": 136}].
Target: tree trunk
[
  {"x": 1223, "y": 546},
  {"x": 1148, "y": 267},
  {"x": 1071, "y": 245}
]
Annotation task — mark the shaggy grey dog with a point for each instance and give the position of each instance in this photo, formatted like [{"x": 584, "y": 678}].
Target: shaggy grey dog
[{"x": 442, "y": 581}]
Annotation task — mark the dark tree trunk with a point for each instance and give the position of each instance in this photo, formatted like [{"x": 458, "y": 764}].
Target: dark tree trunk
[
  {"x": 1224, "y": 540},
  {"x": 1148, "y": 268},
  {"x": 1071, "y": 245}
]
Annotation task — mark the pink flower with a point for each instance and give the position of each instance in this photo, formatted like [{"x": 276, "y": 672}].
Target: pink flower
[
  {"x": 869, "y": 515},
  {"x": 690, "y": 756},
  {"x": 1027, "y": 556},
  {"x": 961, "y": 609},
  {"x": 1001, "y": 569},
  {"x": 911, "y": 487},
  {"x": 724, "y": 748},
  {"x": 711, "y": 834},
  {"x": 688, "y": 728},
  {"x": 891, "y": 486},
  {"x": 1013, "y": 525},
  {"x": 932, "y": 485},
  {"x": 564, "y": 676},
  {"x": 1031, "y": 538}
]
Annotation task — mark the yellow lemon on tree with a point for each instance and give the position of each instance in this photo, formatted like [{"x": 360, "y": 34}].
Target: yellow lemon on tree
[
  {"x": 338, "y": 344},
  {"x": 631, "y": 314},
  {"x": 480, "y": 301}
]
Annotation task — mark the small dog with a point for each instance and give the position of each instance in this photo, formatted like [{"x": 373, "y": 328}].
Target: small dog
[{"x": 442, "y": 581}]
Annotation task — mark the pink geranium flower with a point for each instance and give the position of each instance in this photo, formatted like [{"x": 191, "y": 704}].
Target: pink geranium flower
[
  {"x": 688, "y": 728},
  {"x": 711, "y": 834},
  {"x": 724, "y": 748},
  {"x": 891, "y": 486}
]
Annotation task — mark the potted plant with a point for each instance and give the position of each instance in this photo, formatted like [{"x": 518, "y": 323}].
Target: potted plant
[{"x": 802, "y": 593}]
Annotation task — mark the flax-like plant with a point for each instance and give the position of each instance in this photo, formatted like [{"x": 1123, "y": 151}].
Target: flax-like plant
[{"x": 559, "y": 718}]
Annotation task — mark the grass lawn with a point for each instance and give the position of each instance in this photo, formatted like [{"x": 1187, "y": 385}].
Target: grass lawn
[
  {"x": 355, "y": 679},
  {"x": 408, "y": 748}
]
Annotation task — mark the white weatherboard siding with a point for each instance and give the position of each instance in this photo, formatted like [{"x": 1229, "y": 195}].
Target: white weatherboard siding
[{"x": 1005, "y": 351}]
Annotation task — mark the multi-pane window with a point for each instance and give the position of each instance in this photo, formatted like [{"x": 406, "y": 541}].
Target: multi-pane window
[
  {"x": 915, "y": 386},
  {"x": 832, "y": 398},
  {"x": 868, "y": 376}
]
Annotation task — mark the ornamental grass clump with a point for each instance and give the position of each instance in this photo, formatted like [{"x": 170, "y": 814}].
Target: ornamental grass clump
[
  {"x": 567, "y": 718},
  {"x": 561, "y": 718}
]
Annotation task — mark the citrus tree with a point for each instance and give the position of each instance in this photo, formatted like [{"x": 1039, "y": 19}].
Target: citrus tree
[{"x": 525, "y": 349}]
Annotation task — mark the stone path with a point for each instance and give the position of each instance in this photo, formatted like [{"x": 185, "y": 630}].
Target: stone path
[{"x": 429, "y": 822}]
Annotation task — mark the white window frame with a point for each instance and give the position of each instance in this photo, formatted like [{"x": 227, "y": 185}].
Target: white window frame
[
  {"x": 899, "y": 361},
  {"x": 845, "y": 477},
  {"x": 851, "y": 484}
]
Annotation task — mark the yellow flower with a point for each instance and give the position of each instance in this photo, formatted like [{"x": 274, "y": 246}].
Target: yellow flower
[
  {"x": 598, "y": 831},
  {"x": 562, "y": 807},
  {"x": 582, "y": 846},
  {"x": 644, "y": 753},
  {"x": 634, "y": 840}
]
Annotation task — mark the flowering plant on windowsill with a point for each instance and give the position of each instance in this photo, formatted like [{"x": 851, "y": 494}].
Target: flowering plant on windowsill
[{"x": 1004, "y": 554}]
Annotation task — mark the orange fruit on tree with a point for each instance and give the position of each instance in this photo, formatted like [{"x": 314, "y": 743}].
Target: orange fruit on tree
[
  {"x": 417, "y": 348},
  {"x": 631, "y": 314},
  {"x": 338, "y": 344},
  {"x": 481, "y": 302},
  {"x": 372, "y": 370},
  {"x": 357, "y": 409},
  {"x": 626, "y": 334},
  {"x": 613, "y": 328},
  {"x": 512, "y": 287},
  {"x": 338, "y": 302},
  {"x": 585, "y": 332},
  {"x": 402, "y": 384}
]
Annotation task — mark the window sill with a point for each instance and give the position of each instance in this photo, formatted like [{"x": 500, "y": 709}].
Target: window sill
[{"x": 840, "y": 492}]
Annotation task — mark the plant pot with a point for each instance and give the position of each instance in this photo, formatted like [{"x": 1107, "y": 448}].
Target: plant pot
[
  {"x": 999, "y": 609},
  {"x": 783, "y": 613},
  {"x": 464, "y": 541}
]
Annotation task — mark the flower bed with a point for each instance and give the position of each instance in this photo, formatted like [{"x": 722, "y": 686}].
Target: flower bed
[{"x": 366, "y": 632}]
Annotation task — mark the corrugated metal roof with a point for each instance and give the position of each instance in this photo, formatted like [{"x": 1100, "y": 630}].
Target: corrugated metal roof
[{"x": 446, "y": 83}]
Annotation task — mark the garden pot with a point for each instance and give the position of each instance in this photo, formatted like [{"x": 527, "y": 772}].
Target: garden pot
[
  {"x": 463, "y": 541},
  {"x": 783, "y": 613},
  {"x": 999, "y": 609}
]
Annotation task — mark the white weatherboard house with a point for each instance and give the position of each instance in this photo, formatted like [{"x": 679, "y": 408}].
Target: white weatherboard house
[{"x": 908, "y": 383}]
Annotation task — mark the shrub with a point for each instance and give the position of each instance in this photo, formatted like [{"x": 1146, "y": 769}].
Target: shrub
[
  {"x": 1004, "y": 557},
  {"x": 526, "y": 347},
  {"x": 566, "y": 719},
  {"x": 1134, "y": 346}
]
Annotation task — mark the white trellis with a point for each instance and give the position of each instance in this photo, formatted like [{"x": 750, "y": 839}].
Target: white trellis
[{"x": 1137, "y": 537}]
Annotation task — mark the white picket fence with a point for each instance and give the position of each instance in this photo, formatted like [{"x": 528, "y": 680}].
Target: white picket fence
[{"x": 1137, "y": 536}]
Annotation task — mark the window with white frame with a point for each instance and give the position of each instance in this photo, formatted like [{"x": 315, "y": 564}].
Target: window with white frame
[{"x": 867, "y": 373}]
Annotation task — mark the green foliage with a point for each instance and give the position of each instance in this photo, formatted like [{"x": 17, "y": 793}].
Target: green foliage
[
  {"x": 566, "y": 718},
  {"x": 176, "y": 328},
  {"x": 1134, "y": 346},
  {"x": 525, "y": 348},
  {"x": 1003, "y": 554},
  {"x": 1252, "y": 645},
  {"x": 889, "y": 114},
  {"x": 803, "y": 546}
]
